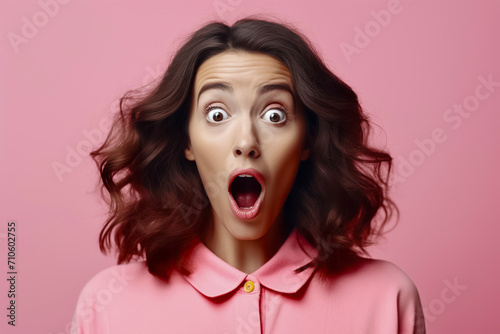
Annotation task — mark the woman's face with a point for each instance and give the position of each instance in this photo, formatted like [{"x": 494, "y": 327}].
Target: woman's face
[{"x": 246, "y": 137}]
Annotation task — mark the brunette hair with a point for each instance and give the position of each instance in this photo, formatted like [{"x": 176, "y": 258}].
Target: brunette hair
[{"x": 158, "y": 204}]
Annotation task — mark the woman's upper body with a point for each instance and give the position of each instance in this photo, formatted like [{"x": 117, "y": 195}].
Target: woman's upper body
[{"x": 370, "y": 296}]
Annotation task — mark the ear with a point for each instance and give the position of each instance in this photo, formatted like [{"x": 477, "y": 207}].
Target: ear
[{"x": 188, "y": 153}]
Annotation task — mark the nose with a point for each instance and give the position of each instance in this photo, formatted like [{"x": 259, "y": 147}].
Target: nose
[{"x": 247, "y": 142}]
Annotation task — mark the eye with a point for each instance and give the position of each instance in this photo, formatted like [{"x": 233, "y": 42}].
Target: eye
[
  {"x": 275, "y": 115},
  {"x": 215, "y": 114}
]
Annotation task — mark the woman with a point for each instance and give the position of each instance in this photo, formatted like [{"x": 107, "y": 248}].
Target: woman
[{"x": 245, "y": 181}]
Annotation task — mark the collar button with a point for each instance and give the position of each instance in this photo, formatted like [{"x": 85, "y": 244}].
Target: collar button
[{"x": 249, "y": 286}]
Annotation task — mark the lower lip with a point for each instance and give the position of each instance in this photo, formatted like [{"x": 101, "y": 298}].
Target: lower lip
[{"x": 246, "y": 214}]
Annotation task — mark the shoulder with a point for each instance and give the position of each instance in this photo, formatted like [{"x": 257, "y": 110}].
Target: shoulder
[
  {"x": 384, "y": 276},
  {"x": 383, "y": 272},
  {"x": 129, "y": 281},
  {"x": 373, "y": 277},
  {"x": 114, "y": 277},
  {"x": 122, "y": 272},
  {"x": 101, "y": 291},
  {"x": 377, "y": 291},
  {"x": 395, "y": 287}
]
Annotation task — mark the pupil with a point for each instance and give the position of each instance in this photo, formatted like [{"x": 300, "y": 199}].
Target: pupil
[
  {"x": 217, "y": 116},
  {"x": 275, "y": 117}
]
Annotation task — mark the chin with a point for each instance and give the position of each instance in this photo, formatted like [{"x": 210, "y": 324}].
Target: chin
[{"x": 245, "y": 230}]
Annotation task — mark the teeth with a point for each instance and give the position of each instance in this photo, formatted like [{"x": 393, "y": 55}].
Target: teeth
[{"x": 244, "y": 175}]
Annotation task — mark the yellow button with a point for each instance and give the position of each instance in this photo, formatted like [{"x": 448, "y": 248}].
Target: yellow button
[{"x": 249, "y": 286}]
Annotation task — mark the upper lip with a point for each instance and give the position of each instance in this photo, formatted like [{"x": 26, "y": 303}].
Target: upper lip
[{"x": 250, "y": 171}]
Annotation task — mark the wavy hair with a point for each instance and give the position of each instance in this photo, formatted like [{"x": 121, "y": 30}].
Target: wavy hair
[{"x": 158, "y": 205}]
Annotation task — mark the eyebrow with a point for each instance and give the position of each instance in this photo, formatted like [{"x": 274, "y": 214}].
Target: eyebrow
[
  {"x": 215, "y": 85},
  {"x": 272, "y": 87},
  {"x": 262, "y": 90}
]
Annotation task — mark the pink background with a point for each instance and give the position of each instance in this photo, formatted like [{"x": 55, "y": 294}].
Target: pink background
[{"x": 61, "y": 84}]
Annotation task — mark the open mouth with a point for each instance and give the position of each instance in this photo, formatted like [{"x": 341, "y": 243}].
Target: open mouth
[{"x": 245, "y": 190}]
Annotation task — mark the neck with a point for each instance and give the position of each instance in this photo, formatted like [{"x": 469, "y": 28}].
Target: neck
[{"x": 245, "y": 255}]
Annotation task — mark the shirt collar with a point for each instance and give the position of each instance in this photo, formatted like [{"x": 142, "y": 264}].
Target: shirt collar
[{"x": 213, "y": 277}]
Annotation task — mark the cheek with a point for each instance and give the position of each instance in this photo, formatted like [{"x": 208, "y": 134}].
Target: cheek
[
  {"x": 209, "y": 161},
  {"x": 210, "y": 156},
  {"x": 286, "y": 148},
  {"x": 213, "y": 177},
  {"x": 204, "y": 144},
  {"x": 284, "y": 155}
]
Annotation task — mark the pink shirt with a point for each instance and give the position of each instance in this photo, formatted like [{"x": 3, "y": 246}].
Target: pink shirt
[{"x": 373, "y": 297}]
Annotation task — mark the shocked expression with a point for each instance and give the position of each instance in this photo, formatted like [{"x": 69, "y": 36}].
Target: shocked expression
[{"x": 246, "y": 136}]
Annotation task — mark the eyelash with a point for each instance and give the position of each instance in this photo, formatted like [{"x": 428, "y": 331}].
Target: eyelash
[
  {"x": 210, "y": 107},
  {"x": 281, "y": 108}
]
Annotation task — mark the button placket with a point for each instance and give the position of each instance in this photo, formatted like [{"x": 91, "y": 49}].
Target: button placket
[{"x": 248, "y": 309}]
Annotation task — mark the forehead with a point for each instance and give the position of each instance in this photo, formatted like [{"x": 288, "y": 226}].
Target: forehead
[{"x": 242, "y": 68}]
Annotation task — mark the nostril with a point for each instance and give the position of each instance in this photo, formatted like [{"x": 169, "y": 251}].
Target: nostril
[{"x": 252, "y": 153}]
